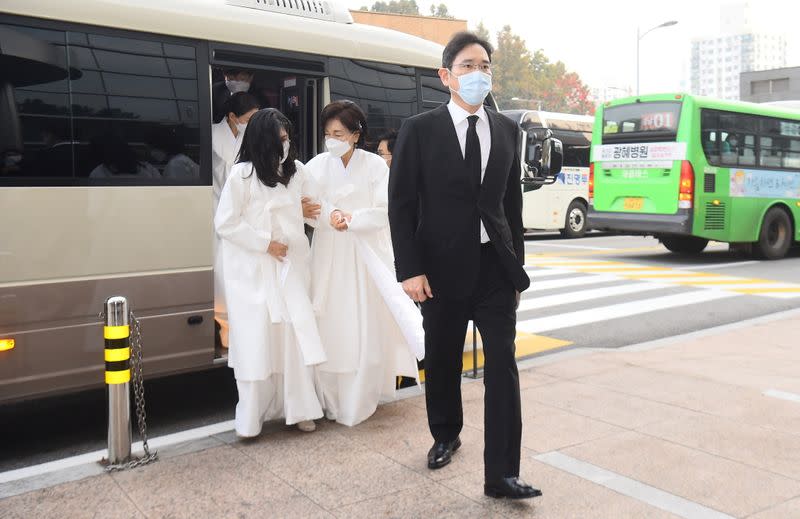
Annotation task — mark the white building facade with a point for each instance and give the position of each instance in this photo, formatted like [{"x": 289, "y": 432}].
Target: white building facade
[{"x": 744, "y": 45}]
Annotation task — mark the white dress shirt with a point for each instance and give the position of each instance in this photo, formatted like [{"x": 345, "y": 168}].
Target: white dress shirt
[{"x": 459, "y": 116}]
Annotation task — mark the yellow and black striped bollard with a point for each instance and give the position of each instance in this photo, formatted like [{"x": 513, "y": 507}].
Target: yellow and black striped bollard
[{"x": 118, "y": 375}]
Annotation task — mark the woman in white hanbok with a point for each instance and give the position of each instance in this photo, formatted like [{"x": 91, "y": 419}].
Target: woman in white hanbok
[
  {"x": 370, "y": 331},
  {"x": 274, "y": 341},
  {"x": 225, "y": 141}
]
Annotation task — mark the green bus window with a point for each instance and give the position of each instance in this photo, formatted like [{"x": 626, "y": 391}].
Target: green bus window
[
  {"x": 747, "y": 152},
  {"x": 771, "y": 152},
  {"x": 792, "y": 157},
  {"x": 710, "y": 136}
]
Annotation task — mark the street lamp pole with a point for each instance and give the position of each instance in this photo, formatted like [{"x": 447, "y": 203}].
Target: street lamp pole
[{"x": 639, "y": 36}]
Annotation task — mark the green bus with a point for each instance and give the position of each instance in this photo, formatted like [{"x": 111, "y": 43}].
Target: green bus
[{"x": 689, "y": 169}]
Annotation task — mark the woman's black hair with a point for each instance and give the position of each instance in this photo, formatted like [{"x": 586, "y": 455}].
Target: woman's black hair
[
  {"x": 240, "y": 103},
  {"x": 261, "y": 145},
  {"x": 350, "y": 115}
]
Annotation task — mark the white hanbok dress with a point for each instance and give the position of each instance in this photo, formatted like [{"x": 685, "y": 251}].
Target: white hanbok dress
[
  {"x": 274, "y": 337},
  {"x": 224, "y": 148},
  {"x": 370, "y": 329}
]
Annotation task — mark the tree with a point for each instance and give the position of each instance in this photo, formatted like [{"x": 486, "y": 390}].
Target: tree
[
  {"x": 396, "y": 7},
  {"x": 482, "y": 31},
  {"x": 511, "y": 66},
  {"x": 440, "y": 11},
  {"x": 529, "y": 80}
]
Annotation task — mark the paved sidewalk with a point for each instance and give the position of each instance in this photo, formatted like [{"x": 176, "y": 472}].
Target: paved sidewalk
[{"x": 705, "y": 426}]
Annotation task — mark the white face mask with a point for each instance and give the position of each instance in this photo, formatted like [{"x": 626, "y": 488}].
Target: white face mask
[
  {"x": 336, "y": 147},
  {"x": 241, "y": 127},
  {"x": 286, "y": 144},
  {"x": 235, "y": 85}
]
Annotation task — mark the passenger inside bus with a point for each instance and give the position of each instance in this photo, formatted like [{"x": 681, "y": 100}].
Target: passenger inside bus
[
  {"x": 119, "y": 159},
  {"x": 167, "y": 153}
]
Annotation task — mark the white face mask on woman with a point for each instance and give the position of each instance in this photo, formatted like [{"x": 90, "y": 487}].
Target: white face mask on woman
[{"x": 336, "y": 147}]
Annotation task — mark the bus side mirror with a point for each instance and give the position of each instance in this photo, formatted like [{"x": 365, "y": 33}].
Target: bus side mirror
[
  {"x": 552, "y": 157},
  {"x": 548, "y": 158}
]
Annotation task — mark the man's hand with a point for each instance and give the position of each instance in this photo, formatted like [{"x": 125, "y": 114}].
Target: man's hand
[
  {"x": 277, "y": 250},
  {"x": 518, "y": 295},
  {"x": 418, "y": 288},
  {"x": 310, "y": 209}
]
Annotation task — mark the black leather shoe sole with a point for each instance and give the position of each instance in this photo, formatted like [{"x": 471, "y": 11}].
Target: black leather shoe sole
[
  {"x": 497, "y": 494},
  {"x": 433, "y": 465}
]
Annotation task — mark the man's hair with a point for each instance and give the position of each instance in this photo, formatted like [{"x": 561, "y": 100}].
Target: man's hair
[{"x": 459, "y": 42}]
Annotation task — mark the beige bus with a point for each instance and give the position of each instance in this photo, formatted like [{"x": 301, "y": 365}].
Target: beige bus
[
  {"x": 562, "y": 203},
  {"x": 89, "y": 87}
]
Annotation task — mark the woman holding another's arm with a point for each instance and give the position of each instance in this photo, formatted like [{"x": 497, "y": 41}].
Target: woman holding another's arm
[{"x": 366, "y": 325}]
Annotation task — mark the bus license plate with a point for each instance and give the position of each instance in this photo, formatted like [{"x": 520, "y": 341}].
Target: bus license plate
[{"x": 634, "y": 204}]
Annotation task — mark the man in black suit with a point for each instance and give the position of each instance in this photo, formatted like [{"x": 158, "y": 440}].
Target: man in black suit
[{"x": 455, "y": 210}]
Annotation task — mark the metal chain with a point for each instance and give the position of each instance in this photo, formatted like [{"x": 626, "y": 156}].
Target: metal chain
[{"x": 138, "y": 393}]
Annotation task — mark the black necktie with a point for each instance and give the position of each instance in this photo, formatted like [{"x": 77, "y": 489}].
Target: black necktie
[{"x": 472, "y": 152}]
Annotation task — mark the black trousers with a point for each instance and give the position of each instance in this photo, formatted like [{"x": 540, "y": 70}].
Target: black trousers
[{"x": 492, "y": 306}]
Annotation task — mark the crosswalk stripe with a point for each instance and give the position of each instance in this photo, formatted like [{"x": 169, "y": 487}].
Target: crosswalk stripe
[
  {"x": 593, "y": 315},
  {"x": 569, "y": 282},
  {"x": 536, "y": 274},
  {"x": 708, "y": 282},
  {"x": 604, "y": 271},
  {"x": 623, "y": 268},
  {"x": 770, "y": 290},
  {"x": 586, "y": 295},
  {"x": 572, "y": 263},
  {"x": 662, "y": 275},
  {"x": 719, "y": 265},
  {"x": 594, "y": 252}
]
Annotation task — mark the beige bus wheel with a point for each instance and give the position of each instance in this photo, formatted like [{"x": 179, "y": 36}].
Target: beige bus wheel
[{"x": 575, "y": 223}]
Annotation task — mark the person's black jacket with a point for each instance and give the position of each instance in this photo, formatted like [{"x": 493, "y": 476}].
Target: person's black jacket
[{"x": 435, "y": 209}]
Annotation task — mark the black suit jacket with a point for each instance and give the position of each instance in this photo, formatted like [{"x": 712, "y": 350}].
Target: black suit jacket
[{"x": 435, "y": 209}]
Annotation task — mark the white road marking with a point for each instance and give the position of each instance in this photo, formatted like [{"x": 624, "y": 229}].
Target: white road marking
[
  {"x": 586, "y": 295},
  {"x": 653, "y": 496},
  {"x": 712, "y": 266},
  {"x": 604, "y": 313},
  {"x": 546, "y": 273},
  {"x": 570, "y": 282},
  {"x": 558, "y": 245},
  {"x": 783, "y": 395}
]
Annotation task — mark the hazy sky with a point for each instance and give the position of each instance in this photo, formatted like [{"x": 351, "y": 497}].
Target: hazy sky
[{"x": 597, "y": 39}]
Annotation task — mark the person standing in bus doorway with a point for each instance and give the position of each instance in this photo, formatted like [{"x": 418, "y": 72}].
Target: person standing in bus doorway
[
  {"x": 235, "y": 81},
  {"x": 274, "y": 336},
  {"x": 455, "y": 209},
  {"x": 368, "y": 326},
  {"x": 225, "y": 141}
]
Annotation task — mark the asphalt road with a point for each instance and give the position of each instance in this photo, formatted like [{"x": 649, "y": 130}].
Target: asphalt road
[{"x": 601, "y": 291}]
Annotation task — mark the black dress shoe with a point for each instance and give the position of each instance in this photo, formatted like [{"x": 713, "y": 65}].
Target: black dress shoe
[
  {"x": 442, "y": 453},
  {"x": 511, "y": 488}
]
